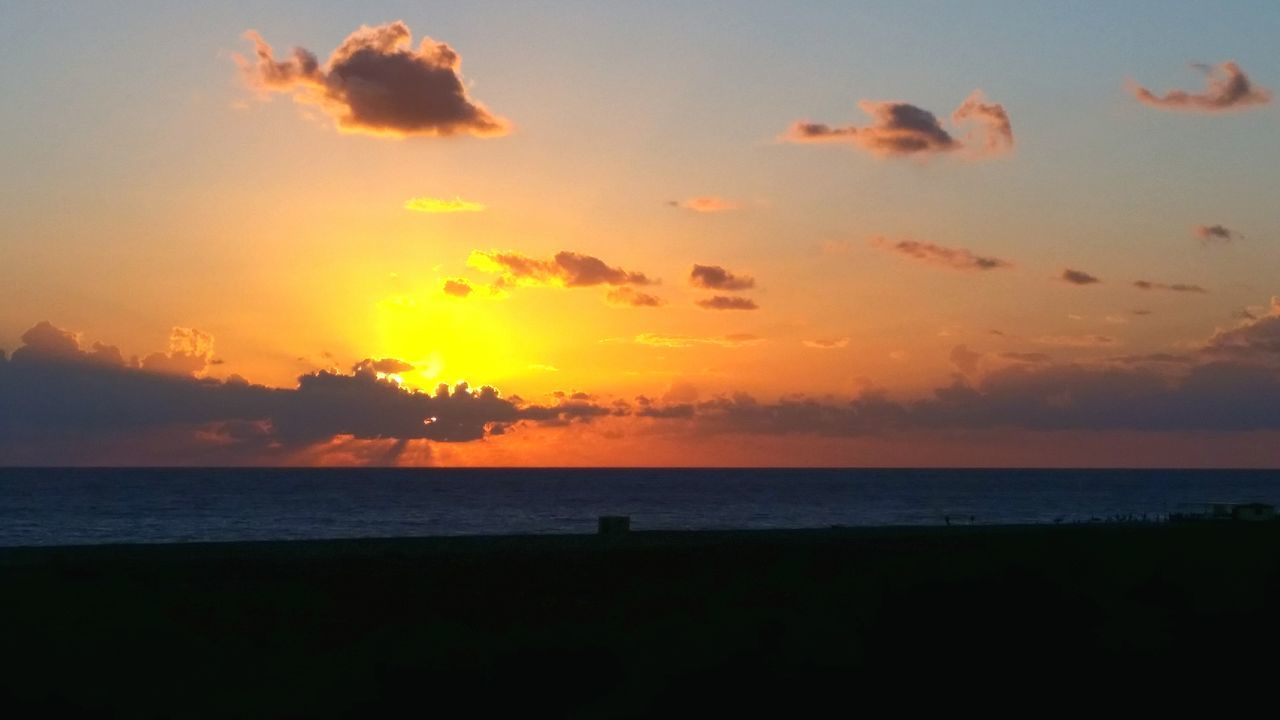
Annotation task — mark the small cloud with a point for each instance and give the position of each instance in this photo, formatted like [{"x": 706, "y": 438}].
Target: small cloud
[
  {"x": 901, "y": 129},
  {"x": 539, "y": 367},
  {"x": 714, "y": 277},
  {"x": 376, "y": 83},
  {"x": 705, "y": 204},
  {"x": 1209, "y": 234},
  {"x": 1078, "y": 277},
  {"x": 728, "y": 302},
  {"x": 629, "y": 297},
  {"x": 1076, "y": 340},
  {"x": 457, "y": 287},
  {"x": 826, "y": 344},
  {"x": 385, "y": 366},
  {"x": 1140, "y": 312},
  {"x": 684, "y": 341},
  {"x": 1227, "y": 88},
  {"x": 1115, "y": 319},
  {"x": 955, "y": 258},
  {"x": 1175, "y": 287},
  {"x": 566, "y": 269},
  {"x": 438, "y": 205}
]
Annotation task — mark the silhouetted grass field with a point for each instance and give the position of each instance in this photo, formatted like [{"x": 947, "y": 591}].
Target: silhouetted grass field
[{"x": 640, "y": 624}]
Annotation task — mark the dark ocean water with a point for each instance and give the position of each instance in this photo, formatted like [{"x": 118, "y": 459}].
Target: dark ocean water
[{"x": 60, "y": 506}]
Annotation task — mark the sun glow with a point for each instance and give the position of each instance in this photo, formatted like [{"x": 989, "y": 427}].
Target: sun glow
[{"x": 446, "y": 340}]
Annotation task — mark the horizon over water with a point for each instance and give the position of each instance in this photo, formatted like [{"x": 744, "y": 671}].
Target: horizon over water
[{"x": 64, "y": 506}]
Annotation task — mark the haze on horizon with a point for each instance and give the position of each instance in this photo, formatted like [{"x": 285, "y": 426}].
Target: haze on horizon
[{"x": 602, "y": 234}]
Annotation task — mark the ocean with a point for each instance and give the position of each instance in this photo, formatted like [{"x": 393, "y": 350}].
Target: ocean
[{"x": 90, "y": 506}]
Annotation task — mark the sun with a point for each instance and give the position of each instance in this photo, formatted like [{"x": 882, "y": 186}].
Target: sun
[{"x": 446, "y": 340}]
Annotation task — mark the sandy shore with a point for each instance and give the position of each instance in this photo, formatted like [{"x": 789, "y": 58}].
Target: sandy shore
[{"x": 586, "y": 626}]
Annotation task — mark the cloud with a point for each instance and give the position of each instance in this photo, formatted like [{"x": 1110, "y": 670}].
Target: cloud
[
  {"x": 376, "y": 83},
  {"x": 826, "y": 344},
  {"x": 996, "y": 134},
  {"x": 52, "y": 390},
  {"x": 727, "y": 302},
  {"x": 1258, "y": 340},
  {"x": 566, "y": 269},
  {"x": 714, "y": 277},
  {"x": 629, "y": 297},
  {"x": 1078, "y": 277},
  {"x": 1209, "y": 234},
  {"x": 439, "y": 205},
  {"x": 684, "y": 341},
  {"x": 955, "y": 258},
  {"x": 1175, "y": 287},
  {"x": 705, "y": 204},
  {"x": 900, "y": 129},
  {"x": 385, "y": 366},
  {"x": 457, "y": 287},
  {"x": 1076, "y": 340},
  {"x": 1227, "y": 88}
]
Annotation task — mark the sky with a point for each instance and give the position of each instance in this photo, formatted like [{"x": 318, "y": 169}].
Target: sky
[{"x": 694, "y": 233}]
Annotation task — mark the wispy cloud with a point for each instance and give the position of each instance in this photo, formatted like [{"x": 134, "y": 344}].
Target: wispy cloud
[
  {"x": 827, "y": 344},
  {"x": 439, "y": 205},
  {"x": 705, "y": 204},
  {"x": 630, "y": 297},
  {"x": 1175, "y": 287},
  {"x": 1209, "y": 234},
  {"x": 727, "y": 302},
  {"x": 684, "y": 341},
  {"x": 566, "y": 269},
  {"x": 955, "y": 258},
  {"x": 1227, "y": 87}
]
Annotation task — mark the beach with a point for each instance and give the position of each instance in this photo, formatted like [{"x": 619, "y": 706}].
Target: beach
[{"x": 630, "y": 625}]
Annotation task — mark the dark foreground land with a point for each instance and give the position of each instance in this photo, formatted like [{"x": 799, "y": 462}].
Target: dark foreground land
[{"x": 647, "y": 624}]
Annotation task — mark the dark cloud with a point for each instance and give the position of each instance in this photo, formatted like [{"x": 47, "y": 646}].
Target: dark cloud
[
  {"x": 728, "y": 302},
  {"x": 1078, "y": 277},
  {"x": 566, "y": 269},
  {"x": 1227, "y": 88},
  {"x": 903, "y": 129},
  {"x": 1215, "y": 233},
  {"x": 956, "y": 258},
  {"x": 1175, "y": 287},
  {"x": 457, "y": 287},
  {"x": 714, "y": 277},
  {"x": 630, "y": 297},
  {"x": 1257, "y": 340},
  {"x": 52, "y": 390},
  {"x": 376, "y": 83},
  {"x": 1153, "y": 358}
]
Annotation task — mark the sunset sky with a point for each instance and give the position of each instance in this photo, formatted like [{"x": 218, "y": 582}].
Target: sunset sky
[{"x": 686, "y": 233}]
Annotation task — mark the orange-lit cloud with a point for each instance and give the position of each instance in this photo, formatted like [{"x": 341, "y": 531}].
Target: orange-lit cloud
[
  {"x": 1227, "y": 88},
  {"x": 826, "y": 344},
  {"x": 728, "y": 302},
  {"x": 1076, "y": 340},
  {"x": 705, "y": 204},
  {"x": 1209, "y": 234},
  {"x": 438, "y": 205},
  {"x": 1175, "y": 287},
  {"x": 714, "y": 277},
  {"x": 955, "y": 258},
  {"x": 629, "y": 297},
  {"x": 457, "y": 287},
  {"x": 683, "y": 341},
  {"x": 1078, "y": 277},
  {"x": 566, "y": 269},
  {"x": 376, "y": 83},
  {"x": 902, "y": 129}
]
